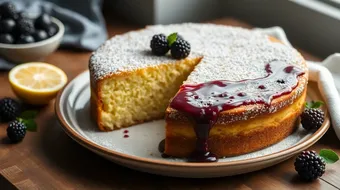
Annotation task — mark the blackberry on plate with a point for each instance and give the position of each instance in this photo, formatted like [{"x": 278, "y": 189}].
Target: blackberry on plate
[
  {"x": 312, "y": 117},
  {"x": 16, "y": 131},
  {"x": 43, "y": 21},
  {"x": 7, "y": 25},
  {"x": 8, "y": 10},
  {"x": 40, "y": 35},
  {"x": 9, "y": 109},
  {"x": 309, "y": 165},
  {"x": 6, "y": 39},
  {"x": 180, "y": 49},
  {"x": 25, "y": 26},
  {"x": 25, "y": 39},
  {"x": 159, "y": 44}
]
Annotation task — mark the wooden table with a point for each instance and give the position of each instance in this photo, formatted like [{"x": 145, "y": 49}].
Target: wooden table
[{"x": 49, "y": 159}]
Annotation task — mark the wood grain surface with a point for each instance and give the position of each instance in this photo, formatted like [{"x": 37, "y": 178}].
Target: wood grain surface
[{"x": 49, "y": 159}]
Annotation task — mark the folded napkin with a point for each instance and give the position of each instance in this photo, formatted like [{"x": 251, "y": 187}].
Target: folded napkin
[{"x": 327, "y": 75}]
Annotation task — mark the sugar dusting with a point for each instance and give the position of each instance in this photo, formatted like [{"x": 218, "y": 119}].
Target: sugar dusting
[{"x": 229, "y": 53}]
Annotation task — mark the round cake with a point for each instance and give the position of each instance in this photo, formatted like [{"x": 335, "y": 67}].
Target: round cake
[{"x": 245, "y": 89}]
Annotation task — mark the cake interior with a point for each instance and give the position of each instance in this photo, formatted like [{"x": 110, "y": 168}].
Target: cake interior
[{"x": 142, "y": 95}]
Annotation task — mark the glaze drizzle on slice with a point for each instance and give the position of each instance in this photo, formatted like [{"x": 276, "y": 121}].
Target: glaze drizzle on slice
[{"x": 202, "y": 103}]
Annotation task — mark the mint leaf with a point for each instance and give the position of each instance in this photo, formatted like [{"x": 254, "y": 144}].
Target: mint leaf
[
  {"x": 329, "y": 156},
  {"x": 172, "y": 38},
  {"x": 30, "y": 124},
  {"x": 314, "y": 104},
  {"x": 31, "y": 114}
]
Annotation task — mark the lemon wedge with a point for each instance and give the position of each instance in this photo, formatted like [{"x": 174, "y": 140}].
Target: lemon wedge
[{"x": 37, "y": 83}]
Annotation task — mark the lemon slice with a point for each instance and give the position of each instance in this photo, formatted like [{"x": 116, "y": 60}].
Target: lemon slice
[{"x": 37, "y": 83}]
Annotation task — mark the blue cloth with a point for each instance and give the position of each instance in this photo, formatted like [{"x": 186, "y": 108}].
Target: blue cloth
[{"x": 84, "y": 23}]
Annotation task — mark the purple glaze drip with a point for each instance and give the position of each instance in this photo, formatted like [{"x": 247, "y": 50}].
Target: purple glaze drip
[{"x": 203, "y": 102}]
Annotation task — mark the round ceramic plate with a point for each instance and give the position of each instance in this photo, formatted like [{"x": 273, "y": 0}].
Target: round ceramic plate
[{"x": 136, "y": 147}]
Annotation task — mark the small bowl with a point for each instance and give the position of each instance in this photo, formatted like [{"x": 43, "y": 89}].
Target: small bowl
[{"x": 20, "y": 53}]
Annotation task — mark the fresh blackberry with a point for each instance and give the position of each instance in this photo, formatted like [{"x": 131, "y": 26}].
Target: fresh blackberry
[
  {"x": 25, "y": 39},
  {"x": 40, "y": 35},
  {"x": 23, "y": 15},
  {"x": 159, "y": 44},
  {"x": 309, "y": 165},
  {"x": 43, "y": 21},
  {"x": 52, "y": 30},
  {"x": 25, "y": 26},
  {"x": 312, "y": 118},
  {"x": 6, "y": 39},
  {"x": 9, "y": 109},
  {"x": 180, "y": 49},
  {"x": 16, "y": 131},
  {"x": 8, "y": 10},
  {"x": 7, "y": 25}
]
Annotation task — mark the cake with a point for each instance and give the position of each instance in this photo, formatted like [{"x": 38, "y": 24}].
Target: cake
[{"x": 129, "y": 85}]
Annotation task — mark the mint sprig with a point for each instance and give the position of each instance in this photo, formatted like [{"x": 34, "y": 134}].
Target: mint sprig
[
  {"x": 314, "y": 104},
  {"x": 329, "y": 156},
  {"x": 172, "y": 38},
  {"x": 27, "y": 118}
]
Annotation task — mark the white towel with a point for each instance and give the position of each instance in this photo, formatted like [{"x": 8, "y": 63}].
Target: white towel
[{"x": 326, "y": 74}]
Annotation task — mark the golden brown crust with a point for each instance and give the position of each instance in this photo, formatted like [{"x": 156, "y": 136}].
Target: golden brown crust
[{"x": 230, "y": 144}]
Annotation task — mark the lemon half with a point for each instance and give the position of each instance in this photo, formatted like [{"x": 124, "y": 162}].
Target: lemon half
[{"x": 37, "y": 83}]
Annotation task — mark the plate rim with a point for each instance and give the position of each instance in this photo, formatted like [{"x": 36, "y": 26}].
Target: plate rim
[{"x": 115, "y": 154}]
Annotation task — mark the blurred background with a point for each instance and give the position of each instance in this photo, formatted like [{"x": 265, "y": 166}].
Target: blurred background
[{"x": 313, "y": 25}]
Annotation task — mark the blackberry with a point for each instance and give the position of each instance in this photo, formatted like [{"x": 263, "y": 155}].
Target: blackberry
[
  {"x": 16, "y": 131},
  {"x": 52, "y": 30},
  {"x": 312, "y": 118},
  {"x": 309, "y": 165},
  {"x": 6, "y": 39},
  {"x": 7, "y": 25},
  {"x": 159, "y": 44},
  {"x": 25, "y": 26},
  {"x": 8, "y": 10},
  {"x": 43, "y": 21},
  {"x": 25, "y": 39},
  {"x": 180, "y": 49},
  {"x": 9, "y": 109},
  {"x": 40, "y": 35},
  {"x": 23, "y": 15}
]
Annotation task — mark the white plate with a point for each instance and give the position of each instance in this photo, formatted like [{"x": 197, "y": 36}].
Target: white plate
[{"x": 140, "y": 150}]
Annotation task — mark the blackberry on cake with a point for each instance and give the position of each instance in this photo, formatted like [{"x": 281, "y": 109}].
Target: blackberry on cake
[
  {"x": 180, "y": 49},
  {"x": 9, "y": 109},
  {"x": 16, "y": 131},
  {"x": 312, "y": 117},
  {"x": 159, "y": 44}
]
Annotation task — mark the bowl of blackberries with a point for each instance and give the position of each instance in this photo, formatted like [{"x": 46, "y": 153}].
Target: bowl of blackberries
[{"x": 26, "y": 37}]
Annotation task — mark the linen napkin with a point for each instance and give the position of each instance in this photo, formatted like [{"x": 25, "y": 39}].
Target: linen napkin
[{"x": 325, "y": 73}]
